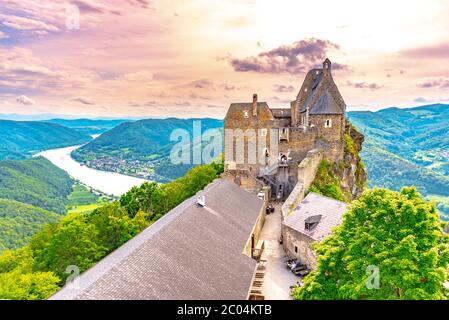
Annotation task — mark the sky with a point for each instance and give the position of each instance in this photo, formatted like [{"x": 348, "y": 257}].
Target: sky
[{"x": 192, "y": 58}]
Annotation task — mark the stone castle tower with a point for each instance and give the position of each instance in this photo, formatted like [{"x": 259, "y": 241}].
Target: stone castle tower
[{"x": 276, "y": 140}]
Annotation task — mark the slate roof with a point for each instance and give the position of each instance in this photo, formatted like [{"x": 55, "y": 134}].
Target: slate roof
[
  {"x": 281, "y": 112},
  {"x": 313, "y": 204},
  {"x": 322, "y": 96},
  {"x": 241, "y": 106},
  {"x": 191, "y": 253},
  {"x": 325, "y": 104}
]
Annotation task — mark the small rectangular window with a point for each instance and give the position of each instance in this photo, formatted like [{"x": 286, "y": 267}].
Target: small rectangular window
[
  {"x": 296, "y": 249},
  {"x": 328, "y": 123},
  {"x": 245, "y": 114}
]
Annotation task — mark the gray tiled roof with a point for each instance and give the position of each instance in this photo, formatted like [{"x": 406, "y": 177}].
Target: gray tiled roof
[
  {"x": 326, "y": 104},
  {"x": 248, "y": 106},
  {"x": 331, "y": 212},
  {"x": 322, "y": 96},
  {"x": 281, "y": 112},
  {"x": 192, "y": 252}
]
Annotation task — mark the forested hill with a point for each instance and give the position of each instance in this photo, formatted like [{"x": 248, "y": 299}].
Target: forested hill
[
  {"x": 20, "y": 139},
  {"x": 37, "y": 182},
  {"x": 135, "y": 146},
  {"x": 408, "y": 147},
  {"x": 20, "y": 221},
  {"x": 33, "y": 193}
]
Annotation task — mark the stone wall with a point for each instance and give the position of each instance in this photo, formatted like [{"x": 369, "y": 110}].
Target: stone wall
[
  {"x": 256, "y": 232},
  {"x": 330, "y": 139},
  {"x": 306, "y": 174},
  {"x": 303, "y": 251},
  {"x": 243, "y": 178}
]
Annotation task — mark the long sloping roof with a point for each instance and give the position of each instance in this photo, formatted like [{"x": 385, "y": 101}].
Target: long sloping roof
[
  {"x": 192, "y": 252},
  {"x": 331, "y": 212}
]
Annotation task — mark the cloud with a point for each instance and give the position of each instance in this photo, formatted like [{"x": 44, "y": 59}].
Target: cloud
[
  {"x": 437, "y": 51},
  {"x": 3, "y": 35},
  {"x": 26, "y": 24},
  {"x": 215, "y": 106},
  {"x": 141, "y": 3},
  {"x": 364, "y": 85},
  {"x": 196, "y": 96},
  {"x": 228, "y": 87},
  {"x": 204, "y": 84},
  {"x": 89, "y": 6},
  {"x": 442, "y": 83},
  {"x": 182, "y": 103},
  {"x": 83, "y": 100},
  {"x": 282, "y": 88},
  {"x": 293, "y": 59},
  {"x": 25, "y": 100},
  {"x": 21, "y": 70},
  {"x": 276, "y": 98},
  {"x": 425, "y": 100},
  {"x": 391, "y": 72}
]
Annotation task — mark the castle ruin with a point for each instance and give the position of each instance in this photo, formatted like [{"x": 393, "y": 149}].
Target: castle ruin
[{"x": 314, "y": 123}]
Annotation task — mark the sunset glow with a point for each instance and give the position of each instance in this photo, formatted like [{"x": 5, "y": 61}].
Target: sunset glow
[{"x": 193, "y": 58}]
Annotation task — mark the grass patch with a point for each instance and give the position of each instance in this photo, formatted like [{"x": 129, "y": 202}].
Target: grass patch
[
  {"x": 88, "y": 208},
  {"x": 350, "y": 144},
  {"x": 326, "y": 182},
  {"x": 81, "y": 196}
]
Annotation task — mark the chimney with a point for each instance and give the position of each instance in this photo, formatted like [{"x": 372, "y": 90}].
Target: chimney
[
  {"x": 201, "y": 201},
  {"x": 255, "y": 104}
]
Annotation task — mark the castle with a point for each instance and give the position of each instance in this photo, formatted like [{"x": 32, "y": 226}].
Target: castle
[{"x": 315, "y": 120}]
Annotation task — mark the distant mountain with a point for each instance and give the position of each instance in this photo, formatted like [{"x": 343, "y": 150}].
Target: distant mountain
[
  {"x": 89, "y": 126},
  {"x": 140, "y": 148},
  {"x": 408, "y": 147},
  {"x": 37, "y": 182},
  {"x": 19, "y": 140},
  {"x": 50, "y": 116}
]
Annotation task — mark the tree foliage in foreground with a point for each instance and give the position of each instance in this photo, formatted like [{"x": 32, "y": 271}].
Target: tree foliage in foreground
[
  {"x": 396, "y": 232},
  {"x": 39, "y": 269}
]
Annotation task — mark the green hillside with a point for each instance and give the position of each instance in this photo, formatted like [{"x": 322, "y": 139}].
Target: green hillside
[
  {"x": 37, "y": 182},
  {"x": 21, "y": 139},
  {"x": 408, "y": 147},
  {"x": 139, "y": 148},
  {"x": 20, "y": 221}
]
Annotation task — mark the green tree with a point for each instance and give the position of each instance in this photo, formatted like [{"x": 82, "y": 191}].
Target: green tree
[
  {"x": 73, "y": 242},
  {"x": 397, "y": 233},
  {"x": 16, "y": 285},
  {"x": 18, "y": 282},
  {"x": 114, "y": 226}
]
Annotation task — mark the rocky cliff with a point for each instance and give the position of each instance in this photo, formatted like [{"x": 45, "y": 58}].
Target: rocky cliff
[{"x": 344, "y": 180}]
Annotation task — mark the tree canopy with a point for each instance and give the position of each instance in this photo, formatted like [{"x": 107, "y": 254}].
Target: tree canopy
[
  {"x": 37, "y": 270},
  {"x": 390, "y": 245}
]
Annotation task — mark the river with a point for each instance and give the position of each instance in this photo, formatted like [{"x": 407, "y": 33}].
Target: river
[{"x": 107, "y": 182}]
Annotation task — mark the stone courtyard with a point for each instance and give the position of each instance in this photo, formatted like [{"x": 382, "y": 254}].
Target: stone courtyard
[{"x": 278, "y": 278}]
